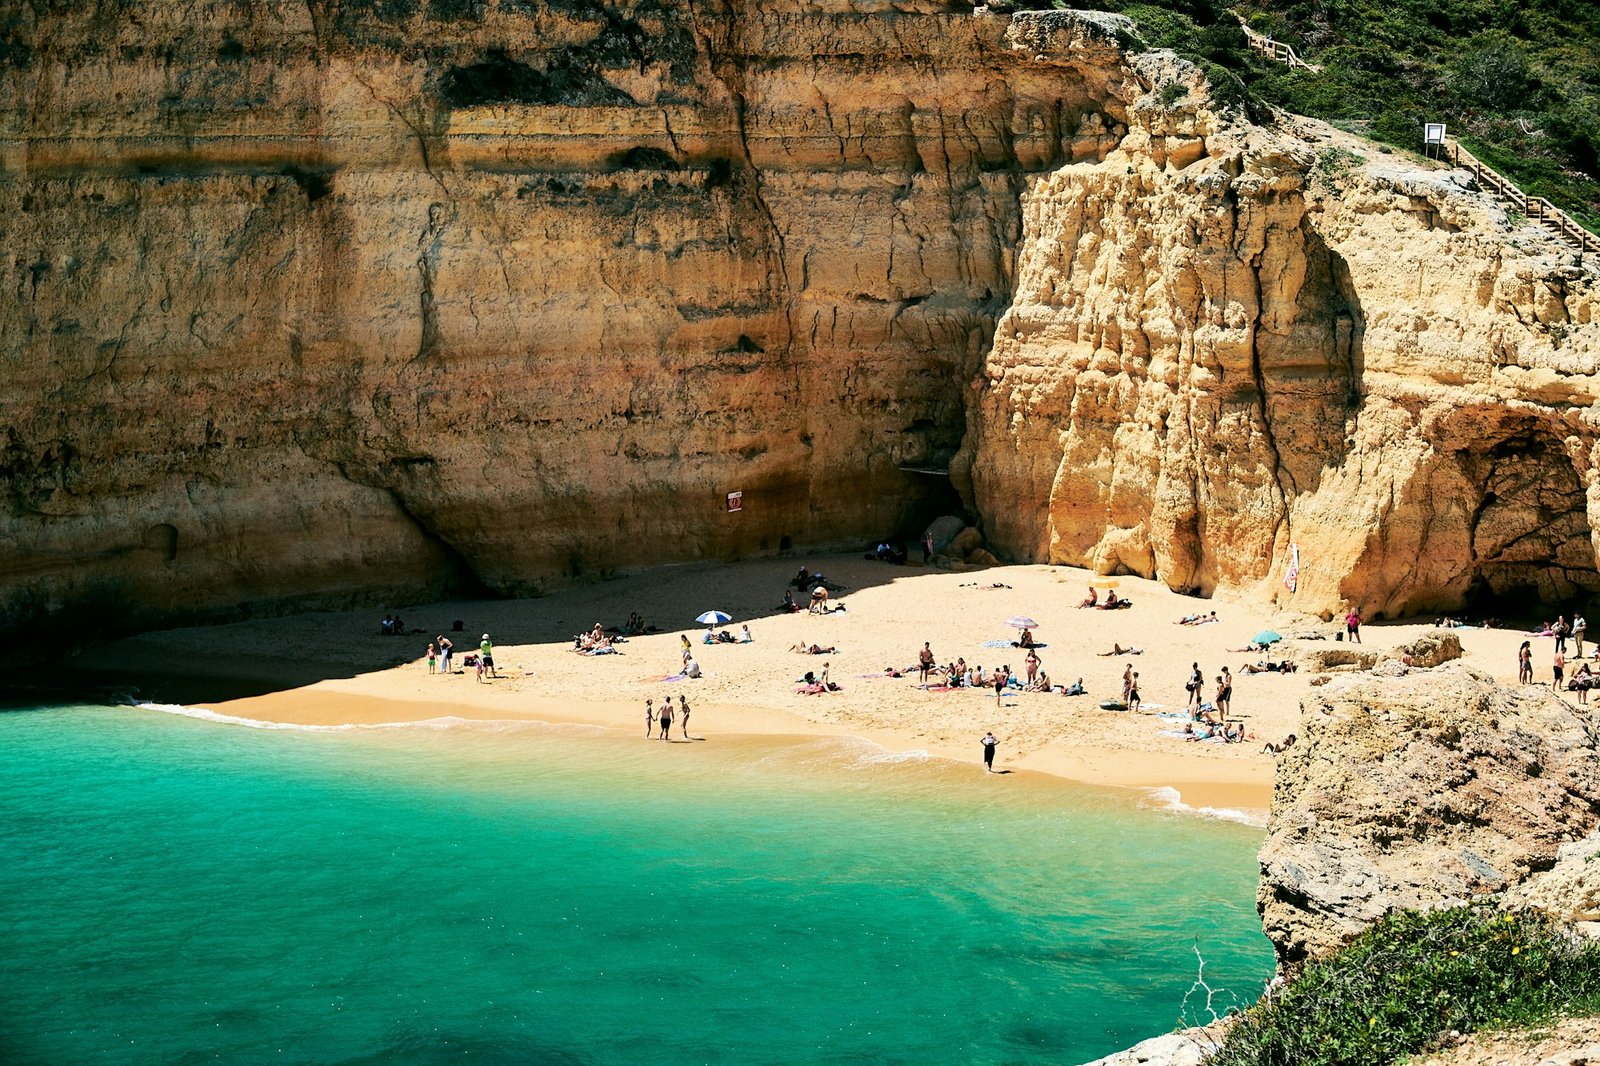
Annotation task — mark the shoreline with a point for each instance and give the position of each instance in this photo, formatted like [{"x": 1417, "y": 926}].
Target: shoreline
[
  {"x": 335, "y": 668},
  {"x": 1234, "y": 797}
]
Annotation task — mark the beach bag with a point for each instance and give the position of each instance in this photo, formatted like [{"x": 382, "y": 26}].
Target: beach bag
[{"x": 1339, "y": 636}]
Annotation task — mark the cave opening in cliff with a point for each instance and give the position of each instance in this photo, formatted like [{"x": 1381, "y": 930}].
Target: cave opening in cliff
[{"x": 1532, "y": 551}]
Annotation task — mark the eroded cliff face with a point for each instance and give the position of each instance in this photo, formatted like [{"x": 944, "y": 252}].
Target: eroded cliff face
[
  {"x": 1293, "y": 340},
  {"x": 316, "y": 301}
]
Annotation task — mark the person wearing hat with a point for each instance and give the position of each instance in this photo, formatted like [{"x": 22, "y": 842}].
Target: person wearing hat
[{"x": 486, "y": 655}]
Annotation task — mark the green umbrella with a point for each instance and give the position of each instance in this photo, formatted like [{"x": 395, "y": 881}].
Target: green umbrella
[{"x": 1266, "y": 636}]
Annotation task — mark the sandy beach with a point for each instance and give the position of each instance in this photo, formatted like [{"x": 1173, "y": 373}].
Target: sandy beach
[{"x": 336, "y": 668}]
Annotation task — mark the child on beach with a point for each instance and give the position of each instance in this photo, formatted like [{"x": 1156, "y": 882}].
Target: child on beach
[{"x": 433, "y": 660}]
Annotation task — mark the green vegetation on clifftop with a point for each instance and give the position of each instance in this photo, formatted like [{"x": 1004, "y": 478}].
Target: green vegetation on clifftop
[{"x": 1518, "y": 81}]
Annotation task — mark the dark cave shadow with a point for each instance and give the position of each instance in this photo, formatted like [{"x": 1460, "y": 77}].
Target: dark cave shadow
[{"x": 146, "y": 668}]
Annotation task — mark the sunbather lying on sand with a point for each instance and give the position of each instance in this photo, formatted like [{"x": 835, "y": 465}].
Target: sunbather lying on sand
[
  {"x": 813, "y": 649},
  {"x": 1281, "y": 746},
  {"x": 1118, "y": 649},
  {"x": 1281, "y": 667},
  {"x": 1197, "y": 619}
]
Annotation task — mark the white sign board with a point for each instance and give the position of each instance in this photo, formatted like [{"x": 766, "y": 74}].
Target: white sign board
[{"x": 1433, "y": 133}]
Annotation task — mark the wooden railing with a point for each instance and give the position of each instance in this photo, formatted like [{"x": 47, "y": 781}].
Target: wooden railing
[
  {"x": 1275, "y": 50},
  {"x": 1537, "y": 208}
]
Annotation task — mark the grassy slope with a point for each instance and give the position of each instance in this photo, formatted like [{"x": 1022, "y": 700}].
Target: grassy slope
[{"x": 1518, "y": 81}]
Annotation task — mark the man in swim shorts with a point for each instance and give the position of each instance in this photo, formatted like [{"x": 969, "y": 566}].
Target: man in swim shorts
[{"x": 486, "y": 655}]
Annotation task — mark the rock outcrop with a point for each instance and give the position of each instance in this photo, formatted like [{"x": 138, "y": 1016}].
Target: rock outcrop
[
  {"x": 1293, "y": 341},
  {"x": 1418, "y": 790}
]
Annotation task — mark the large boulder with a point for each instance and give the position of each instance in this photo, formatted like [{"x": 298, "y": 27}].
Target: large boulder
[{"x": 1418, "y": 790}]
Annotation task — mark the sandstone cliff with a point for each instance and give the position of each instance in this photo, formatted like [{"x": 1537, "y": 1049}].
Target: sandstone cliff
[
  {"x": 319, "y": 300},
  {"x": 1293, "y": 340},
  {"x": 1419, "y": 789},
  {"x": 327, "y": 301}
]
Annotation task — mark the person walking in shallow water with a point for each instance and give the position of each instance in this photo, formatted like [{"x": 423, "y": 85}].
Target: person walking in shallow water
[
  {"x": 666, "y": 718},
  {"x": 649, "y": 718},
  {"x": 683, "y": 712},
  {"x": 989, "y": 743}
]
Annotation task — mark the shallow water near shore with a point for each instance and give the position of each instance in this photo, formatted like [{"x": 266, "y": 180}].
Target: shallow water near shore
[{"x": 180, "y": 891}]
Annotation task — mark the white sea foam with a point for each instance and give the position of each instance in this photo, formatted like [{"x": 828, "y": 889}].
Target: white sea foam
[
  {"x": 443, "y": 722},
  {"x": 880, "y": 757},
  {"x": 1169, "y": 799}
]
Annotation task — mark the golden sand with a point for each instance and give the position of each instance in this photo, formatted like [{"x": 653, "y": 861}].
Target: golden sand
[{"x": 750, "y": 688}]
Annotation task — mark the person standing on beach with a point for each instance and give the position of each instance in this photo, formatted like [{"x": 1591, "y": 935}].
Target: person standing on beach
[
  {"x": 1032, "y": 662},
  {"x": 989, "y": 743},
  {"x": 1561, "y": 629},
  {"x": 1580, "y": 625},
  {"x": 1127, "y": 683},
  {"x": 486, "y": 655},
  {"x": 999, "y": 684},
  {"x": 1525, "y": 663},
  {"x": 433, "y": 659},
  {"x": 1133, "y": 693},
  {"x": 1558, "y": 670},
  {"x": 1225, "y": 697},
  {"x": 1197, "y": 681},
  {"x": 1352, "y": 625},
  {"x": 927, "y": 547},
  {"x": 666, "y": 718},
  {"x": 683, "y": 711},
  {"x": 925, "y": 660},
  {"x": 445, "y": 648},
  {"x": 649, "y": 718}
]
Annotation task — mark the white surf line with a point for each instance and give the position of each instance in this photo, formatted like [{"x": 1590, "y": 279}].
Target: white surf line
[{"x": 1169, "y": 799}]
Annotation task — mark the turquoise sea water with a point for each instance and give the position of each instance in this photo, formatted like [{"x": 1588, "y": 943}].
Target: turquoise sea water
[{"x": 181, "y": 891}]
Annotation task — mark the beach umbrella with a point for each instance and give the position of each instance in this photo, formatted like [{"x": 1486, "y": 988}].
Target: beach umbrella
[
  {"x": 1021, "y": 622},
  {"x": 1266, "y": 636},
  {"x": 1103, "y": 584},
  {"x": 714, "y": 618}
]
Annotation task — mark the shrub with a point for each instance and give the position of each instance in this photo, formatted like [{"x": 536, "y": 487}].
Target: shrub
[{"x": 1414, "y": 976}]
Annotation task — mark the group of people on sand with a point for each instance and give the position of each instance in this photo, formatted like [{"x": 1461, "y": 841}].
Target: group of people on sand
[
  {"x": 663, "y": 718},
  {"x": 441, "y": 650},
  {"x": 1112, "y": 601},
  {"x": 1582, "y": 680},
  {"x": 595, "y": 642},
  {"x": 958, "y": 674}
]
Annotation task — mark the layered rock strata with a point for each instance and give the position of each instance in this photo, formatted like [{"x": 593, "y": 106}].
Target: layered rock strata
[
  {"x": 315, "y": 301},
  {"x": 1292, "y": 340}
]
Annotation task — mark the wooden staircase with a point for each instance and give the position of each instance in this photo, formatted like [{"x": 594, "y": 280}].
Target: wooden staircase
[
  {"x": 1275, "y": 50},
  {"x": 1537, "y": 208}
]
